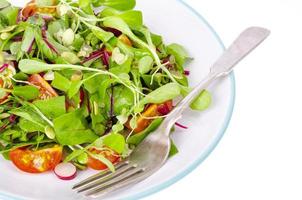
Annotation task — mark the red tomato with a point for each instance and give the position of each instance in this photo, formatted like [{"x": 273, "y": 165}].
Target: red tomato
[
  {"x": 98, "y": 165},
  {"x": 152, "y": 110},
  {"x": 46, "y": 91},
  {"x": 36, "y": 161}
]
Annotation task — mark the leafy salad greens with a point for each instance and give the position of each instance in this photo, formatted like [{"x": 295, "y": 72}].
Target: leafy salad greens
[{"x": 83, "y": 82}]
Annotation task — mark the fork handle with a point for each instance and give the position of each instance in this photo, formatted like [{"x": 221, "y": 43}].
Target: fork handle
[{"x": 247, "y": 41}]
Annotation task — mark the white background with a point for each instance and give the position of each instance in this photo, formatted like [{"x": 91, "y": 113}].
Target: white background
[{"x": 260, "y": 156}]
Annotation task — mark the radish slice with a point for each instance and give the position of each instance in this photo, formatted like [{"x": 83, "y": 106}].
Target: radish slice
[{"x": 65, "y": 171}]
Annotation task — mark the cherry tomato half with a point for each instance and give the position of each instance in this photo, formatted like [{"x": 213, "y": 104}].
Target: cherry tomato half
[
  {"x": 36, "y": 161},
  {"x": 98, "y": 165},
  {"x": 46, "y": 91},
  {"x": 151, "y": 110}
]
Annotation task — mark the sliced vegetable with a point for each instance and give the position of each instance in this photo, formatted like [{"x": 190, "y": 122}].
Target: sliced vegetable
[
  {"x": 46, "y": 91},
  {"x": 65, "y": 171},
  {"x": 39, "y": 161}
]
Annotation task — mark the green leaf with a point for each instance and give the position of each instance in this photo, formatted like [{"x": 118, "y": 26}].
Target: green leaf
[
  {"x": 173, "y": 150},
  {"x": 28, "y": 38},
  {"x": 74, "y": 88},
  {"x": 4, "y": 4},
  {"x": 43, "y": 47},
  {"x": 15, "y": 48},
  {"x": 92, "y": 85},
  {"x": 70, "y": 57},
  {"x": 202, "y": 102},
  {"x": 74, "y": 155},
  {"x": 86, "y": 6},
  {"x": 133, "y": 18},
  {"x": 117, "y": 23},
  {"x": 162, "y": 94},
  {"x": 72, "y": 129},
  {"x": 27, "y": 113},
  {"x": 139, "y": 137},
  {"x": 11, "y": 14},
  {"x": 101, "y": 34},
  {"x": 29, "y": 126},
  {"x": 123, "y": 99},
  {"x": 115, "y": 141},
  {"x": 26, "y": 92},
  {"x": 178, "y": 52},
  {"x": 145, "y": 64},
  {"x": 123, "y": 68},
  {"x": 60, "y": 82},
  {"x": 53, "y": 107},
  {"x": 117, "y": 4}
]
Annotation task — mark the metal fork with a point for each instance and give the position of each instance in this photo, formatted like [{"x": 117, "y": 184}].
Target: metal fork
[{"x": 153, "y": 152}]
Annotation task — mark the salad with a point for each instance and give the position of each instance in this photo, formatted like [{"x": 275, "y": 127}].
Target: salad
[{"x": 83, "y": 82}]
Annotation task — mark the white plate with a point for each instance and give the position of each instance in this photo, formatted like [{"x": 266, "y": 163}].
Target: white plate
[{"x": 179, "y": 23}]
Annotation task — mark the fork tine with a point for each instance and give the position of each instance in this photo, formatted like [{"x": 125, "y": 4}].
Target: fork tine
[
  {"x": 100, "y": 175},
  {"x": 107, "y": 178},
  {"x": 132, "y": 176}
]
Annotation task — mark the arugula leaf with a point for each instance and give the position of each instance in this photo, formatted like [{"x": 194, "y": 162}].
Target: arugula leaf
[
  {"x": 162, "y": 94},
  {"x": 53, "y": 107},
  {"x": 202, "y": 101},
  {"x": 74, "y": 88},
  {"x": 27, "y": 113},
  {"x": 72, "y": 129},
  {"x": 115, "y": 141},
  {"x": 26, "y": 92},
  {"x": 29, "y": 126},
  {"x": 92, "y": 85},
  {"x": 60, "y": 82}
]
